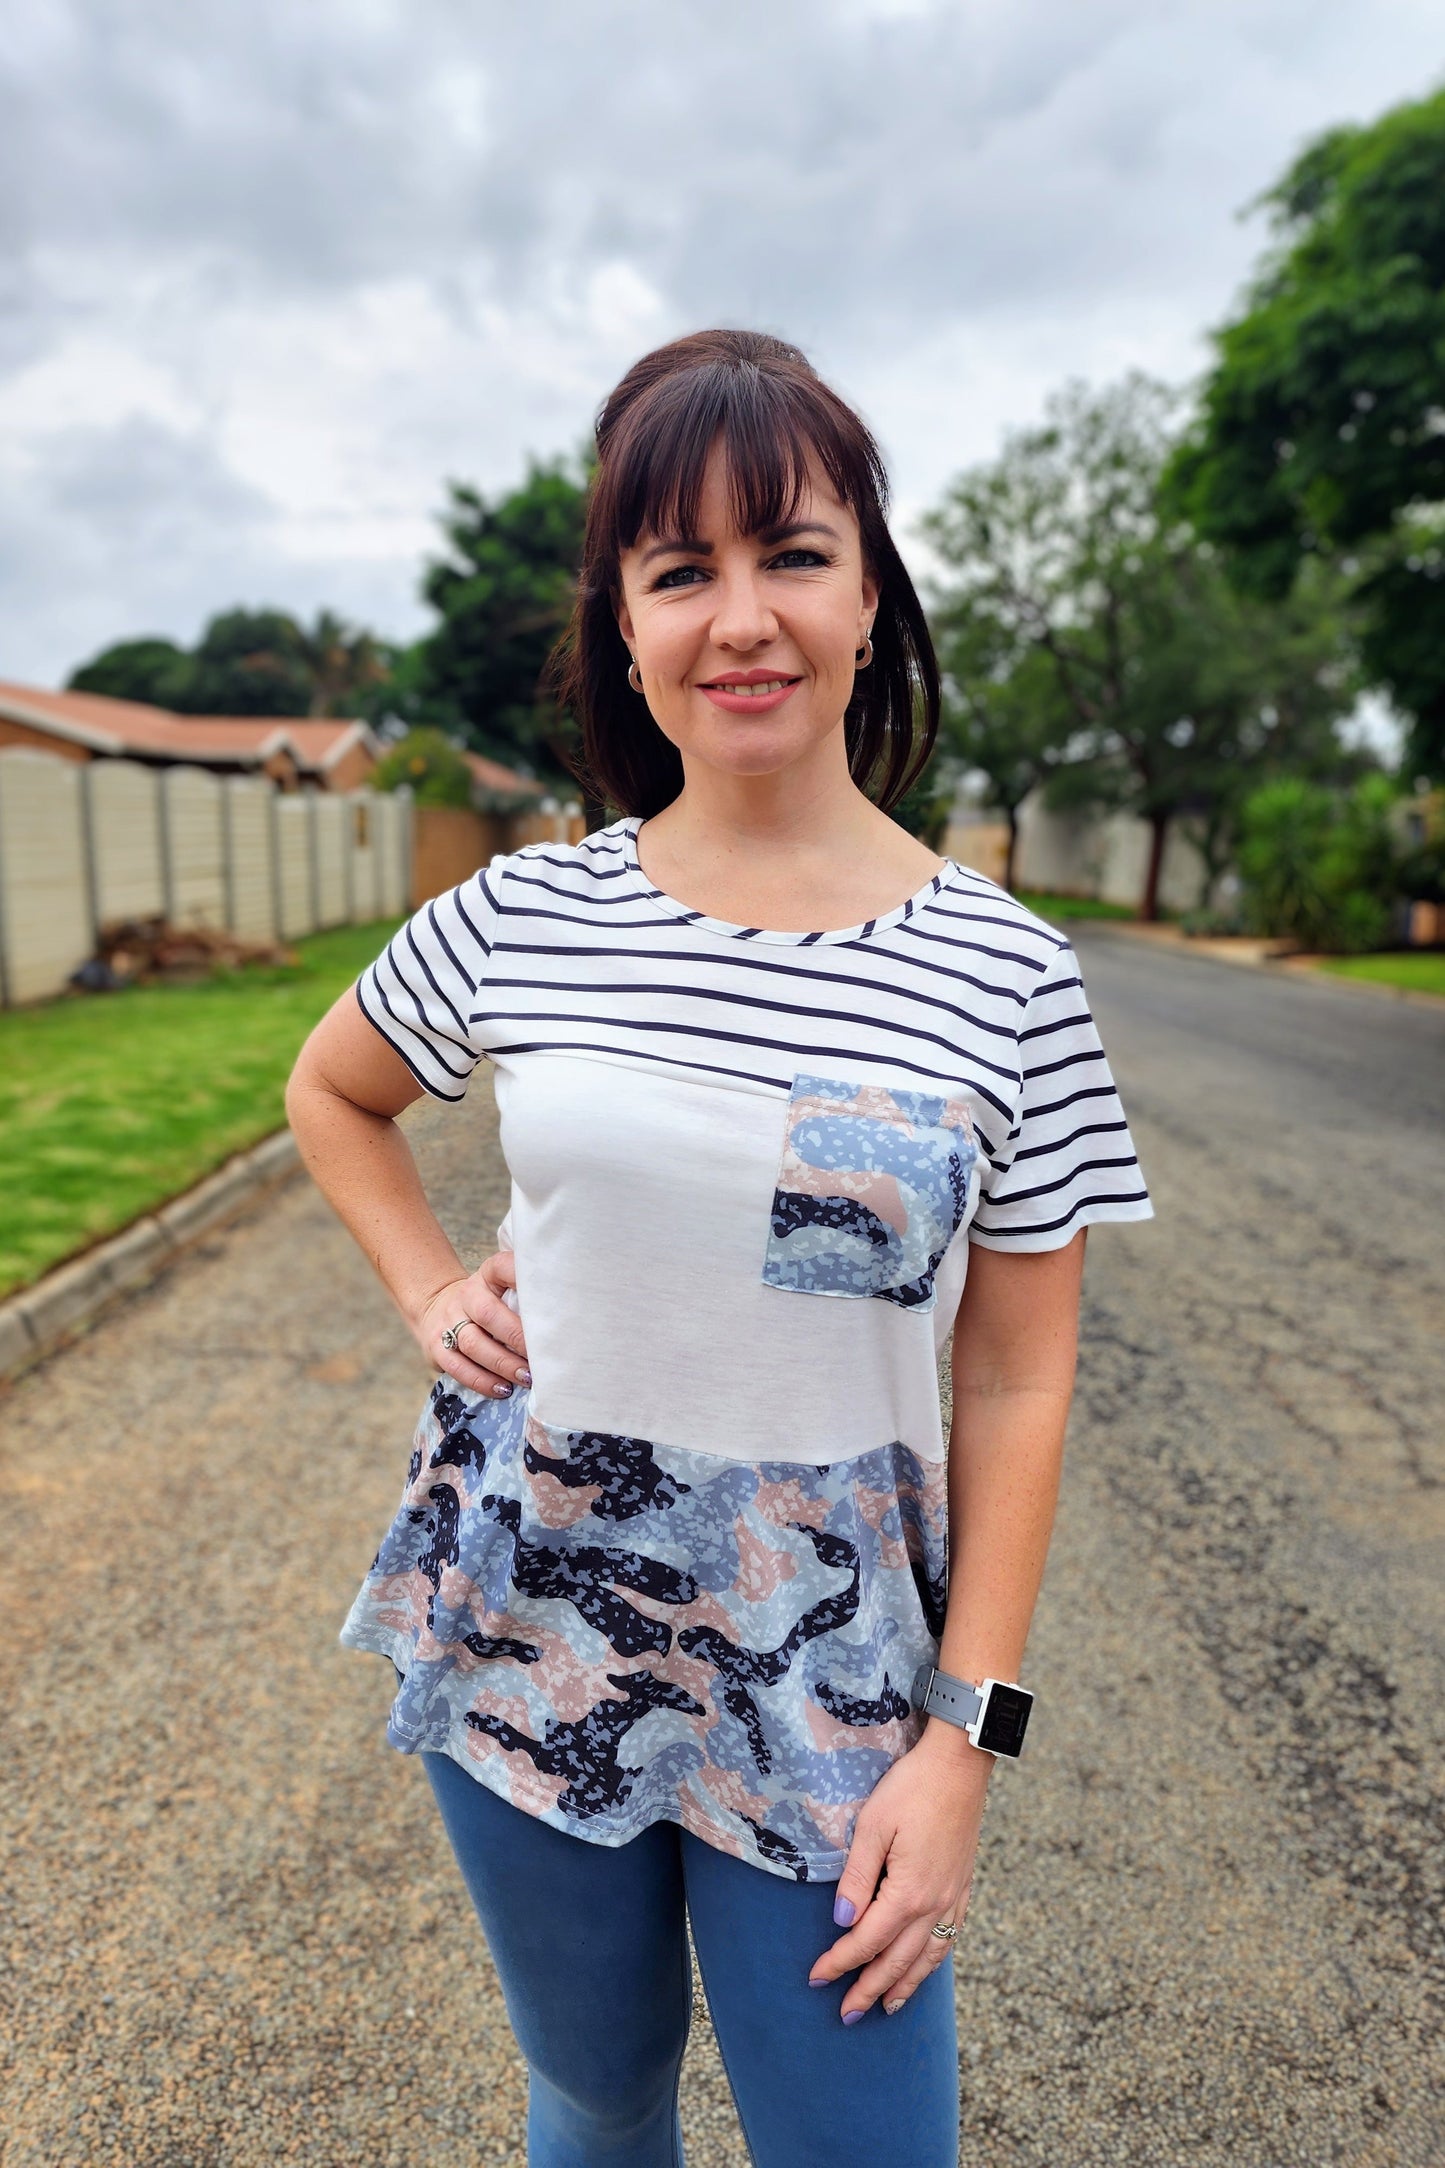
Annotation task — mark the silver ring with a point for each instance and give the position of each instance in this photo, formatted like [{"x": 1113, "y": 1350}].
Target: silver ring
[
  {"x": 449, "y": 1337},
  {"x": 945, "y": 1930}
]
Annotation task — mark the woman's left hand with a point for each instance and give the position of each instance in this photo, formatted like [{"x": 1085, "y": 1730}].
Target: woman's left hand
[{"x": 921, "y": 1822}]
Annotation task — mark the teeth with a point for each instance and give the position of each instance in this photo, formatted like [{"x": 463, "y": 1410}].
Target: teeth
[{"x": 753, "y": 692}]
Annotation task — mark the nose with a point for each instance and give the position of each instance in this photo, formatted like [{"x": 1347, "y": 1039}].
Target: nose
[{"x": 743, "y": 618}]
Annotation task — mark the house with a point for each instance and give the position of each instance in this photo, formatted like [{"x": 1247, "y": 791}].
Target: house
[{"x": 296, "y": 752}]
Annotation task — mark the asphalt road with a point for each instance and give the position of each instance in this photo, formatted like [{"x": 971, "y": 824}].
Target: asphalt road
[{"x": 1206, "y": 1928}]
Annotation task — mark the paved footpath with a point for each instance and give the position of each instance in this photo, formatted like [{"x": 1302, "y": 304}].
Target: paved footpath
[{"x": 1207, "y": 1923}]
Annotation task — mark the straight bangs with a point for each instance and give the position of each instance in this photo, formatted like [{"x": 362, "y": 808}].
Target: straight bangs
[
  {"x": 762, "y": 401},
  {"x": 768, "y": 428}
]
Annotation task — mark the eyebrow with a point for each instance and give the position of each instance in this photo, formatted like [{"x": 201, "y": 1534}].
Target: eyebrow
[{"x": 692, "y": 547}]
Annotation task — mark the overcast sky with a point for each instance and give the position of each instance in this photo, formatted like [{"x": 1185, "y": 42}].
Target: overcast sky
[{"x": 270, "y": 272}]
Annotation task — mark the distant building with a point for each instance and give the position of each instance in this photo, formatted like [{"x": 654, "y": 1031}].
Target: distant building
[{"x": 333, "y": 754}]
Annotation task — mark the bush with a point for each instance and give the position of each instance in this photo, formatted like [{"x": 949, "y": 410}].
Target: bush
[
  {"x": 431, "y": 763},
  {"x": 1321, "y": 868}
]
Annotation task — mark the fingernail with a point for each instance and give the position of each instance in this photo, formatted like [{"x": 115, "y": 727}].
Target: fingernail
[
  {"x": 844, "y": 1912},
  {"x": 851, "y": 2017},
  {"x": 501, "y": 1391},
  {"x": 524, "y": 1377},
  {"x": 817, "y": 1983},
  {"x": 890, "y": 2007}
]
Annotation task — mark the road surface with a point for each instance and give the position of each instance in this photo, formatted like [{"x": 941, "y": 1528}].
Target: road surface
[{"x": 1206, "y": 1926}]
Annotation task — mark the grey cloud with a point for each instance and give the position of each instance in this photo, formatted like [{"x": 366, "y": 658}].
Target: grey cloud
[{"x": 989, "y": 197}]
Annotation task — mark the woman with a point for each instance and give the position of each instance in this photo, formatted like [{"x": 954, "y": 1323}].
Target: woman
[{"x": 786, "y": 1099}]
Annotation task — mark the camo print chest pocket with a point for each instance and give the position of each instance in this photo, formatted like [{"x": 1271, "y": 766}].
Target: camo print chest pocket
[{"x": 871, "y": 1188}]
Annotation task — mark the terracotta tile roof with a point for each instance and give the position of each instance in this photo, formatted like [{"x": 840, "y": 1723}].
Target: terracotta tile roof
[
  {"x": 121, "y": 727},
  {"x": 493, "y": 776},
  {"x": 127, "y": 726}
]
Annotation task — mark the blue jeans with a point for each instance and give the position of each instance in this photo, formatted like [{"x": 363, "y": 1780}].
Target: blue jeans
[{"x": 590, "y": 1946}]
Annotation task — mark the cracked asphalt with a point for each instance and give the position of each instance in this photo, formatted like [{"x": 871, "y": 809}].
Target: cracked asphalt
[{"x": 1207, "y": 1919}]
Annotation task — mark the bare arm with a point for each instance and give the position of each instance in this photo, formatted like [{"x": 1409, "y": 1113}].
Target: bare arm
[
  {"x": 345, "y": 1090},
  {"x": 1015, "y": 1343},
  {"x": 1014, "y": 1347}
]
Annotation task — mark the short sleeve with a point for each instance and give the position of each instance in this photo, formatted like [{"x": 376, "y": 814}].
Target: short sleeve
[
  {"x": 420, "y": 992},
  {"x": 1069, "y": 1159}
]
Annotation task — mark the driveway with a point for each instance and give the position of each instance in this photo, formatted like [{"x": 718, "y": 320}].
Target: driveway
[{"x": 1206, "y": 1924}]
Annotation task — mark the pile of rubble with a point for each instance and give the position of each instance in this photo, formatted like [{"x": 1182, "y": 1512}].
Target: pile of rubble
[{"x": 145, "y": 951}]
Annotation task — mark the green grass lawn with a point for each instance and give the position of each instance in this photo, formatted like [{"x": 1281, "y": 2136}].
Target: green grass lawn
[
  {"x": 111, "y": 1103},
  {"x": 1054, "y": 908},
  {"x": 1419, "y": 971}
]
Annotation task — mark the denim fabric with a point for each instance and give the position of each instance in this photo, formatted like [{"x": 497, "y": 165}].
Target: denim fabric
[{"x": 590, "y": 1946}]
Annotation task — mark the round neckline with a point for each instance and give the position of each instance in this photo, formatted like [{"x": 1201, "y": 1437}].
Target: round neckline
[{"x": 673, "y": 908}]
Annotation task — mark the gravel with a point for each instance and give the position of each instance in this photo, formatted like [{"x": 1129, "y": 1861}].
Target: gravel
[{"x": 1207, "y": 1918}]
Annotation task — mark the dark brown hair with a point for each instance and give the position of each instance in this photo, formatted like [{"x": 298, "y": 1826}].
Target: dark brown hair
[{"x": 654, "y": 434}]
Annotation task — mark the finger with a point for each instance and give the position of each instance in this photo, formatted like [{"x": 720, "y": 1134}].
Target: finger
[
  {"x": 885, "y": 1918},
  {"x": 477, "y": 1361},
  {"x": 935, "y": 1953},
  {"x": 858, "y": 1882},
  {"x": 877, "y": 1981},
  {"x": 495, "y": 1274}
]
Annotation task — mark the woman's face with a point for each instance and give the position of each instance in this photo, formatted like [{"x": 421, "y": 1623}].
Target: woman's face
[{"x": 707, "y": 613}]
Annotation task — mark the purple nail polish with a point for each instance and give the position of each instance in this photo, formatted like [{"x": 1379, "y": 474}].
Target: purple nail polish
[
  {"x": 820, "y": 1983},
  {"x": 844, "y": 1912},
  {"x": 524, "y": 1377},
  {"x": 851, "y": 2017}
]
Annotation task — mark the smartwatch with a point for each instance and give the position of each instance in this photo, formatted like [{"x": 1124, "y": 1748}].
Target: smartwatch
[{"x": 995, "y": 1715}]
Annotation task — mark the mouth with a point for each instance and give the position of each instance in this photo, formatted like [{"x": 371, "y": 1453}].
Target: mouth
[{"x": 751, "y": 686}]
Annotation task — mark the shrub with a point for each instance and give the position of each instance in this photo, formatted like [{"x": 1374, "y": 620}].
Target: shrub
[
  {"x": 1321, "y": 868},
  {"x": 432, "y": 764}
]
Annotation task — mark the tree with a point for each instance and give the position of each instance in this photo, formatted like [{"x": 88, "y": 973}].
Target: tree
[
  {"x": 1106, "y": 636},
  {"x": 344, "y": 664},
  {"x": 248, "y": 662},
  {"x": 1004, "y": 714},
  {"x": 504, "y": 592},
  {"x": 1322, "y": 426},
  {"x": 153, "y": 671}
]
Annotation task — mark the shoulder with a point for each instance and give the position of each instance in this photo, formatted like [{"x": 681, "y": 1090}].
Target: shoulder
[
  {"x": 989, "y": 918},
  {"x": 597, "y": 861}
]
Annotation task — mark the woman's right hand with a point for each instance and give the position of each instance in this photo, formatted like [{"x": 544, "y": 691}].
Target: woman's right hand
[{"x": 491, "y": 1351}]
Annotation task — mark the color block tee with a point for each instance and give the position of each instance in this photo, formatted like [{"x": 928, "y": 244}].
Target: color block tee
[{"x": 691, "y": 1570}]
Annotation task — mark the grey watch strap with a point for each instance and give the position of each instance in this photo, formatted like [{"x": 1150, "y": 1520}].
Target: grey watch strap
[{"x": 938, "y": 1693}]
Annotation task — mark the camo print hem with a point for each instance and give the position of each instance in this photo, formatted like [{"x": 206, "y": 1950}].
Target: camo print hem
[{"x": 609, "y": 1632}]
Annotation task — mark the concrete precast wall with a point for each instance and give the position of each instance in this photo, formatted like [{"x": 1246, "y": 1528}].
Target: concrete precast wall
[
  {"x": 45, "y": 907},
  {"x": 125, "y": 838},
  {"x": 247, "y": 801},
  {"x": 1078, "y": 854},
  {"x": 196, "y": 890},
  {"x": 85, "y": 842}
]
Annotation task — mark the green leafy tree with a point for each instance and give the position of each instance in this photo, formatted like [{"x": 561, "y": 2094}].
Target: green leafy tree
[
  {"x": 345, "y": 664},
  {"x": 1005, "y": 716},
  {"x": 1322, "y": 427},
  {"x": 1102, "y": 639},
  {"x": 503, "y": 592},
  {"x": 431, "y": 764},
  {"x": 249, "y": 662},
  {"x": 153, "y": 671}
]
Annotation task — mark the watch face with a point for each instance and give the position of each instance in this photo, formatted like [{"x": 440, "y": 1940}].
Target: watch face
[{"x": 1005, "y": 1720}]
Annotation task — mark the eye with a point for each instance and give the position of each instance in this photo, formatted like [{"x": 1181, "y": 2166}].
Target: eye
[
  {"x": 674, "y": 572},
  {"x": 816, "y": 557}
]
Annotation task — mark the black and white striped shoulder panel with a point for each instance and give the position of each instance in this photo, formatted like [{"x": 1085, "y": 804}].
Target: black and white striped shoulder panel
[
  {"x": 421, "y": 989},
  {"x": 1069, "y": 1159}
]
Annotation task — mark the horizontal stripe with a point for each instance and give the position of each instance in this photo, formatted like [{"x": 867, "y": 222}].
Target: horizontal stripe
[{"x": 557, "y": 949}]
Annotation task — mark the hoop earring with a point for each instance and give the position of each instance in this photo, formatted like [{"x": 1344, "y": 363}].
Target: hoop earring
[
  {"x": 863, "y": 655},
  {"x": 634, "y": 677}
]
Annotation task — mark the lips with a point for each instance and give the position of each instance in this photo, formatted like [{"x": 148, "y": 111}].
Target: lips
[{"x": 755, "y": 681}]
